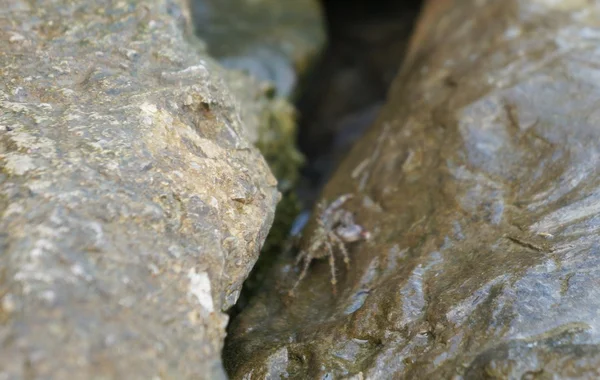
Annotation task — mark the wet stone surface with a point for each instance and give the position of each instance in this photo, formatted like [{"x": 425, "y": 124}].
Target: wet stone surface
[{"x": 479, "y": 184}]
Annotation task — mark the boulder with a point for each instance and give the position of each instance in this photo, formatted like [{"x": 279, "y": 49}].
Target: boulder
[
  {"x": 478, "y": 183},
  {"x": 133, "y": 202}
]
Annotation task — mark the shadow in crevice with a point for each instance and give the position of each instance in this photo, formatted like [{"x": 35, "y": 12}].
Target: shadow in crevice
[
  {"x": 347, "y": 87},
  {"x": 336, "y": 101}
]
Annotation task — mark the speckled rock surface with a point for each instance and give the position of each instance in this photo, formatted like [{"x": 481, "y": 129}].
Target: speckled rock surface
[
  {"x": 276, "y": 43},
  {"x": 132, "y": 202},
  {"x": 273, "y": 40},
  {"x": 479, "y": 183}
]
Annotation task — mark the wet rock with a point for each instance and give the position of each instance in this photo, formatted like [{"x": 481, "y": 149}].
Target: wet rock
[
  {"x": 132, "y": 201},
  {"x": 274, "y": 41},
  {"x": 479, "y": 185}
]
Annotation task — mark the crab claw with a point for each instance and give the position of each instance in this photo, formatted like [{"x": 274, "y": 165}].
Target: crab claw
[{"x": 352, "y": 233}]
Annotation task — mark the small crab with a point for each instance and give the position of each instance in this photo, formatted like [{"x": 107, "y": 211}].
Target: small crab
[{"x": 335, "y": 226}]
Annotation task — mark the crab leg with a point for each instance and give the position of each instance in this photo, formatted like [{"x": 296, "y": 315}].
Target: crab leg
[
  {"x": 335, "y": 205},
  {"x": 342, "y": 248},
  {"x": 332, "y": 266},
  {"x": 307, "y": 256},
  {"x": 301, "y": 255},
  {"x": 307, "y": 260}
]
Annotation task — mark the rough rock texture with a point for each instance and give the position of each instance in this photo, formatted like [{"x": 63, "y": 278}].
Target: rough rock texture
[
  {"x": 271, "y": 119},
  {"x": 276, "y": 42},
  {"x": 479, "y": 183},
  {"x": 132, "y": 203},
  {"x": 270, "y": 123},
  {"x": 273, "y": 40}
]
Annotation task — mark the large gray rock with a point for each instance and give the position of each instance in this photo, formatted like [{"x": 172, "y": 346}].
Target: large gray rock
[
  {"x": 479, "y": 183},
  {"x": 132, "y": 202}
]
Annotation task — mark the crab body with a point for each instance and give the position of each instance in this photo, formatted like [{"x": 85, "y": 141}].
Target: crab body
[{"x": 335, "y": 227}]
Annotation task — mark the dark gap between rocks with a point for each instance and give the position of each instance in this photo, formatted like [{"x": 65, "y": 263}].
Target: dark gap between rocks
[
  {"x": 342, "y": 94},
  {"x": 348, "y": 86}
]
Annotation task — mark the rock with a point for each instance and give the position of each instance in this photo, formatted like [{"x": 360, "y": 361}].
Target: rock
[
  {"x": 132, "y": 201},
  {"x": 276, "y": 42},
  {"x": 479, "y": 185},
  {"x": 272, "y": 120},
  {"x": 273, "y": 40}
]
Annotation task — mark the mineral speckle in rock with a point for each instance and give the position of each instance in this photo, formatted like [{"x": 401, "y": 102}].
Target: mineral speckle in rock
[{"x": 121, "y": 145}]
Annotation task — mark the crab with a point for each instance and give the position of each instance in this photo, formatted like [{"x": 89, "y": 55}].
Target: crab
[{"x": 335, "y": 227}]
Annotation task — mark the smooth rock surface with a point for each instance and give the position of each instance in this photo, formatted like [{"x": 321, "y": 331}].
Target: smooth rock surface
[
  {"x": 479, "y": 183},
  {"x": 132, "y": 201}
]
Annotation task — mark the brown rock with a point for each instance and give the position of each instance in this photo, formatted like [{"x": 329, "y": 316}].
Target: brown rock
[{"x": 479, "y": 184}]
